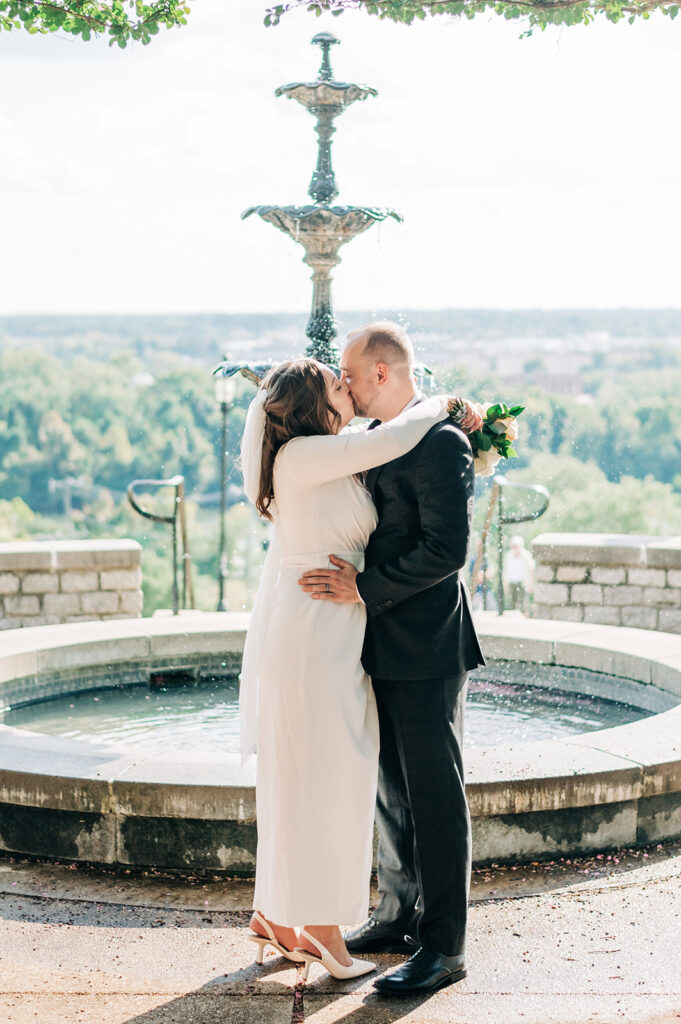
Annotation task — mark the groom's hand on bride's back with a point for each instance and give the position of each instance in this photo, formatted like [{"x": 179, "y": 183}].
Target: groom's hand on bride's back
[{"x": 332, "y": 584}]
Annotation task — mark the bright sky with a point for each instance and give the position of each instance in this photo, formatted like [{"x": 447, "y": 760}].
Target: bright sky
[{"x": 543, "y": 172}]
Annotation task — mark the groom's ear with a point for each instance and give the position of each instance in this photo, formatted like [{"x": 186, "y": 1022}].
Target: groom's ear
[{"x": 382, "y": 373}]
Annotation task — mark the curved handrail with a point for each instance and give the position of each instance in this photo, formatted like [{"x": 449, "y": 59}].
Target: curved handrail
[
  {"x": 499, "y": 485},
  {"x": 173, "y": 481},
  {"x": 178, "y": 513},
  {"x": 502, "y": 482}
]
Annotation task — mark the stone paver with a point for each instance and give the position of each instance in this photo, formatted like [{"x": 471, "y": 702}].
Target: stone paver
[{"x": 566, "y": 942}]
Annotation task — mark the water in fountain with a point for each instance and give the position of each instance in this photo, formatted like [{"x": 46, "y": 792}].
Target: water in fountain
[{"x": 205, "y": 716}]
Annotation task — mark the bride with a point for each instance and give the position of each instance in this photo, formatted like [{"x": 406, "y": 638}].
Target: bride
[{"x": 306, "y": 704}]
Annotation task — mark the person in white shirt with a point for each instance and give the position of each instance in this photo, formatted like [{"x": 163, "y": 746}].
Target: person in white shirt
[{"x": 518, "y": 574}]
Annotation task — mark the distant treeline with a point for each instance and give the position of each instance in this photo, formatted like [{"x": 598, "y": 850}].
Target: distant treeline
[
  {"x": 75, "y": 430},
  {"x": 205, "y": 337},
  {"x": 78, "y": 426},
  {"x": 90, "y": 424}
]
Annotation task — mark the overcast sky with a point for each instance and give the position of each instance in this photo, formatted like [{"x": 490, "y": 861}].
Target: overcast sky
[{"x": 543, "y": 172}]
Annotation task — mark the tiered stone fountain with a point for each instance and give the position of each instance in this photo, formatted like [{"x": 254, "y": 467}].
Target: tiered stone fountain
[{"x": 322, "y": 228}]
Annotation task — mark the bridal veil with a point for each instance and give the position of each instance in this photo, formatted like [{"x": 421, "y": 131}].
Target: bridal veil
[{"x": 251, "y": 456}]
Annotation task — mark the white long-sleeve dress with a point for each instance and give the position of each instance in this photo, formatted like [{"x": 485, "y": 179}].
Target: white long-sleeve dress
[{"x": 306, "y": 703}]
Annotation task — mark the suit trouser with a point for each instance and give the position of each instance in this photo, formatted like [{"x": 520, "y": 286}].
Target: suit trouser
[{"x": 424, "y": 850}]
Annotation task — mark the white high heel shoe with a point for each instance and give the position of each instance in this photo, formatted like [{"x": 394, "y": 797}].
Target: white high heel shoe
[
  {"x": 270, "y": 940},
  {"x": 356, "y": 969}
]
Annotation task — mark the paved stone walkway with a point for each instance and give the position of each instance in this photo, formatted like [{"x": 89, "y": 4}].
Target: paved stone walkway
[{"x": 569, "y": 942}]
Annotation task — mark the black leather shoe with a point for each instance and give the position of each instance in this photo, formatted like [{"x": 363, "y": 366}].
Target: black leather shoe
[
  {"x": 426, "y": 971},
  {"x": 376, "y": 937}
]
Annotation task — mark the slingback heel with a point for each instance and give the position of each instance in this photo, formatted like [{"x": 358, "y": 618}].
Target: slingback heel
[
  {"x": 270, "y": 940},
  {"x": 338, "y": 970}
]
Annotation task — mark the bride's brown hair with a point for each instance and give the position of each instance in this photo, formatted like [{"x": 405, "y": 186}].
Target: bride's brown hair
[{"x": 297, "y": 405}]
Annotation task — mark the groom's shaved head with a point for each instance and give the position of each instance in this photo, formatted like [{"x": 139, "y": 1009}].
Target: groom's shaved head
[
  {"x": 377, "y": 364},
  {"x": 384, "y": 341}
]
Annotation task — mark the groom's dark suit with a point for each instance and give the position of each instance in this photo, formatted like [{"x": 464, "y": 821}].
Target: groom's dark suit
[{"x": 420, "y": 644}]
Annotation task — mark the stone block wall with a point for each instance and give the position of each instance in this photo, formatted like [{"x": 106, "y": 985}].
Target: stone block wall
[
  {"x": 47, "y": 582},
  {"x": 614, "y": 579}
]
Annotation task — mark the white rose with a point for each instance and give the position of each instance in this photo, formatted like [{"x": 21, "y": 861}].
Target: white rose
[
  {"x": 485, "y": 462},
  {"x": 510, "y": 427}
]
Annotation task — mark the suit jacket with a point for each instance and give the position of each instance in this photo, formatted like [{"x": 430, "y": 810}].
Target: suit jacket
[{"x": 419, "y": 622}]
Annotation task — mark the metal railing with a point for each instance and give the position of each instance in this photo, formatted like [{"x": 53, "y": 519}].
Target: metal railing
[
  {"x": 178, "y": 514},
  {"x": 496, "y": 504}
]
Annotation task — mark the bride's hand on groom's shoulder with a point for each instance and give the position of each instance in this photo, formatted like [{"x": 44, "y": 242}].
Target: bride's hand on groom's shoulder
[{"x": 468, "y": 416}]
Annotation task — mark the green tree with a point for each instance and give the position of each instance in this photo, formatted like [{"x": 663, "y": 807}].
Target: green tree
[
  {"x": 584, "y": 500},
  {"x": 19, "y": 522},
  {"x": 120, "y": 20},
  {"x": 91, "y": 421}
]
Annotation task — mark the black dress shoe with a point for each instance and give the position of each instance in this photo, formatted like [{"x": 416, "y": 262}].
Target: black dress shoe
[
  {"x": 426, "y": 971},
  {"x": 376, "y": 937}
]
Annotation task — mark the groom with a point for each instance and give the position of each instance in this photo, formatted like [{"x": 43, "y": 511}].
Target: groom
[{"x": 419, "y": 646}]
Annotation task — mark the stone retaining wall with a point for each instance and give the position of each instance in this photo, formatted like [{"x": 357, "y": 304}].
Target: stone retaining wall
[
  {"x": 614, "y": 579},
  {"x": 47, "y": 582}
]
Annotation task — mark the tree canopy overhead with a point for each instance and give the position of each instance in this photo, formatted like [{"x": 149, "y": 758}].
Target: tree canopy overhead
[
  {"x": 534, "y": 13},
  {"x": 124, "y": 20},
  {"x": 121, "y": 20}
]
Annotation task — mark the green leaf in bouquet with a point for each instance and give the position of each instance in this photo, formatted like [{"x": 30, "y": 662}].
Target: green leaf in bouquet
[
  {"x": 493, "y": 413},
  {"x": 485, "y": 442},
  {"x": 511, "y": 454},
  {"x": 516, "y": 410}
]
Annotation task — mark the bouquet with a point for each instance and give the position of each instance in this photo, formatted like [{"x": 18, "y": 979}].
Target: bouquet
[{"x": 491, "y": 430}]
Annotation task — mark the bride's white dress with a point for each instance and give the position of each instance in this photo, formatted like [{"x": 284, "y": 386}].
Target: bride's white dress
[{"x": 306, "y": 703}]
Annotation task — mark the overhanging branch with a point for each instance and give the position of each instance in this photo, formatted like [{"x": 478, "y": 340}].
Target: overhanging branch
[
  {"x": 122, "y": 20},
  {"x": 538, "y": 13}
]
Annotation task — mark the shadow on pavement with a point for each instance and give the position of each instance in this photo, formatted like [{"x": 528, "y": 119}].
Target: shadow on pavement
[{"x": 241, "y": 998}]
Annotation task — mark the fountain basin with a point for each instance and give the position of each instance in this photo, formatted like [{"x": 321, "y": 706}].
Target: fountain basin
[
  {"x": 196, "y": 811},
  {"x": 321, "y": 229}
]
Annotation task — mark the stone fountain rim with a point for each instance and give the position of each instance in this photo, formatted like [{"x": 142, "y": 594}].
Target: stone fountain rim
[{"x": 627, "y": 763}]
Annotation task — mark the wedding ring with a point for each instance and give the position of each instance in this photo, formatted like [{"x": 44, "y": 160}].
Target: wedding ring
[{"x": 328, "y": 588}]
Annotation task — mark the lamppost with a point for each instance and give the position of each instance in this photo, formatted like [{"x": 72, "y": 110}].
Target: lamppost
[{"x": 224, "y": 394}]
